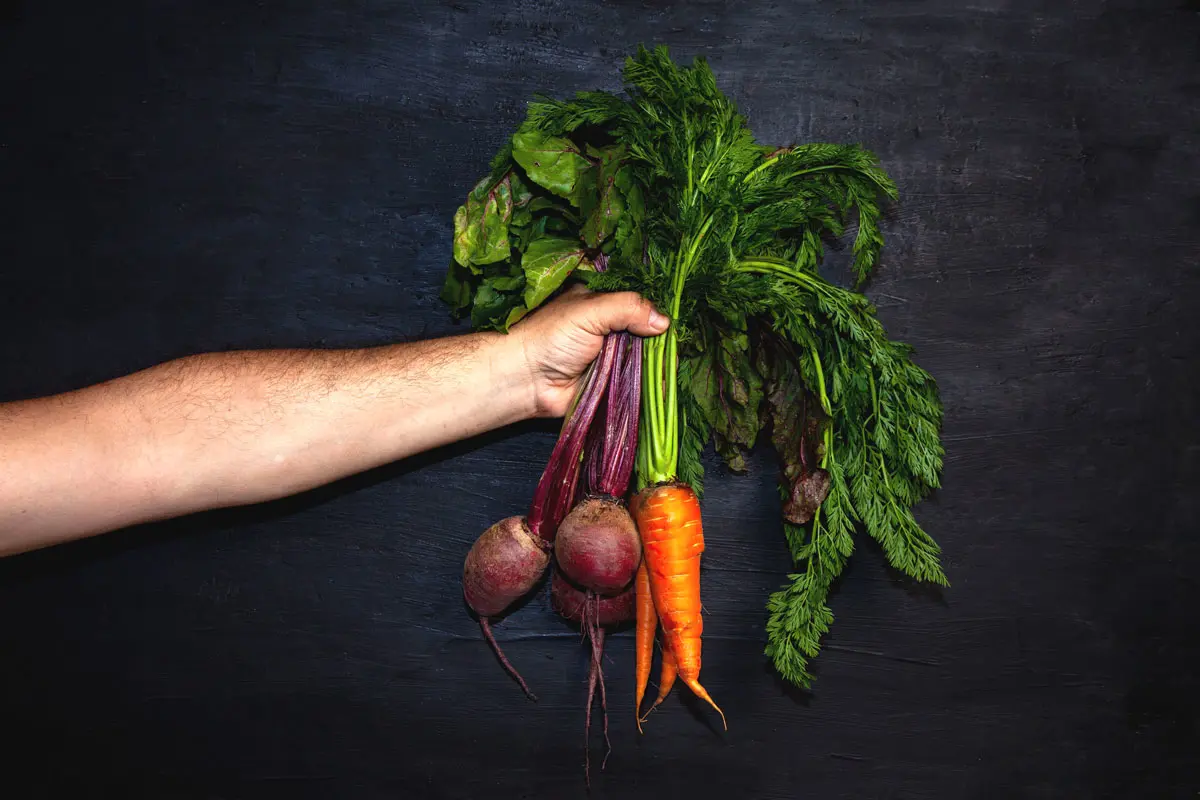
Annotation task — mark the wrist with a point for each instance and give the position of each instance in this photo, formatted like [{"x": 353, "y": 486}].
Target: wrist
[{"x": 512, "y": 375}]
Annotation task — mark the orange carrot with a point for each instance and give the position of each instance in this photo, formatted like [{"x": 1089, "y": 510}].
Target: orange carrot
[
  {"x": 668, "y": 517},
  {"x": 666, "y": 676},
  {"x": 647, "y": 621}
]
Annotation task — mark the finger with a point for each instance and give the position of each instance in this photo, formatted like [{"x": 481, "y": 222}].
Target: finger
[{"x": 626, "y": 311}]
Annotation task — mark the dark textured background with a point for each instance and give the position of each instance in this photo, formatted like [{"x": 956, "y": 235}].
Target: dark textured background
[{"x": 186, "y": 176}]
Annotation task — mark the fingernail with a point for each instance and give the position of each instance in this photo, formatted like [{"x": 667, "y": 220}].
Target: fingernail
[{"x": 658, "y": 320}]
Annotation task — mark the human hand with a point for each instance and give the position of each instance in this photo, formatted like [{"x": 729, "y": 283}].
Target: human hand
[{"x": 562, "y": 338}]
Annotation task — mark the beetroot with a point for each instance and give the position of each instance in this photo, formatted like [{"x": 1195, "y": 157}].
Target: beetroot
[
  {"x": 598, "y": 546},
  {"x": 503, "y": 565},
  {"x": 571, "y": 602}
]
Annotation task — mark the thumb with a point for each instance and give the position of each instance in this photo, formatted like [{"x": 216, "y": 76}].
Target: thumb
[{"x": 626, "y": 311}]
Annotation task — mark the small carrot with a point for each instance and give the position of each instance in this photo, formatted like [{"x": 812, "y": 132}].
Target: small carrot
[
  {"x": 666, "y": 676},
  {"x": 647, "y": 621},
  {"x": 668, "y": 517}
]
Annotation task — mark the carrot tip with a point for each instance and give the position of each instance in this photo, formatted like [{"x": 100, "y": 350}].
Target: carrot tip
[{"x": 700, "y": 692}]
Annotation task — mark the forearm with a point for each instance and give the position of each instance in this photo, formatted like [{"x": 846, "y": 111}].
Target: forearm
[{"x": 229, "y": 429}]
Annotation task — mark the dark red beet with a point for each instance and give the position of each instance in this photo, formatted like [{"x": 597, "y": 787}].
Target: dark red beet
[
  {"x": 503, "y": 565},
  {"x": 598, "y": 546},
  {"x": 571, "y": 602}
]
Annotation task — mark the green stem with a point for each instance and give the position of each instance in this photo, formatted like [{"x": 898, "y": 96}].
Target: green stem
[
  {"x": 874, "y": 396},
  {"x": 691, "y": 159},
  {"x": 717, "y": 158},
  {"x": 691, "y": 257},
  {"x": 828, "y": 446},
  {"x": 797, "y": 173},
  {"x": 660, "y": 388},
  {"x": 672, "y": 405},
  {"x": 768, "y": 162},
  {"x": 810, "y": 170},
  {"x": 825, "y": 406},
  {"x": 659, "y": 433},
  {"x": 765, "y": 265},
  {"x": 642, "y": 468},
  {"x": 812, "y": 351},
  {"x": 654, "y": 373},
  {"x": 651, "y": 401}
]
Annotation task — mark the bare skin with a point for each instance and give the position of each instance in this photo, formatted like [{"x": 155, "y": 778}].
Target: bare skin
[{"x": 230, "y": 429}]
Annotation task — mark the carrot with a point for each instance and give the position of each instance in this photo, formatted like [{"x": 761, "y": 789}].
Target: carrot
[
  {"x": 647, "y": 621},
  {"x": 668, "y": 517},
  {"x": 666, "y": 677}
]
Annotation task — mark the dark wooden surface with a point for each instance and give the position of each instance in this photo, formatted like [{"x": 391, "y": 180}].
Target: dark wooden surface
[{"x": 186, "y": 176}]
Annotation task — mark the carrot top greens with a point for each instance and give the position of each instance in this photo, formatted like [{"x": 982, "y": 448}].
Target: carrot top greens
[{"x": 668, "y": 186}]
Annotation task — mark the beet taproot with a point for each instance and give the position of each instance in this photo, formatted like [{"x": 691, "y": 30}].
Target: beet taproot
[{"x": 504, "y": 564}]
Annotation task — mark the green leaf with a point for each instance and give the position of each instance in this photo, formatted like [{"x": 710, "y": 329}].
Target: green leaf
[
  {"x": 458, "y": 288},
  {"x": 728, "y": 391},
  {"x": 540, "y": 216},
  {"x": 559, "y": 225},
  {"x": 507, "y": 283},
  {"x": 694, "y": 432},
  {"x": 552, "y": 162},
  {"x": 514, "y": 316},
  {"x": 503, "y": 301},
  {"x": 481, "y": 224},
  {"x": 794, "y": 415},
  {"x": 601, "y": 203},
  {"x": 528, "y": 231},
  {"x": 547, "y": 263},
  {"x": 522, "y": 195},
  {"x": 629, "y": 238},
  {"x": 492, "y": 309},
  {"x": 489, "y": 304},
  {"x": 544, "y": 204}
]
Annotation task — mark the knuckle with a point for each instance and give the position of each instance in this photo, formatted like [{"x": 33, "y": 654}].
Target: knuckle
[{"x": 636, "y": 304}]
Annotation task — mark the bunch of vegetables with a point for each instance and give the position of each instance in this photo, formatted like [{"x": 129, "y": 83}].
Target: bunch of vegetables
[{"x": 664, "y": 191}]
